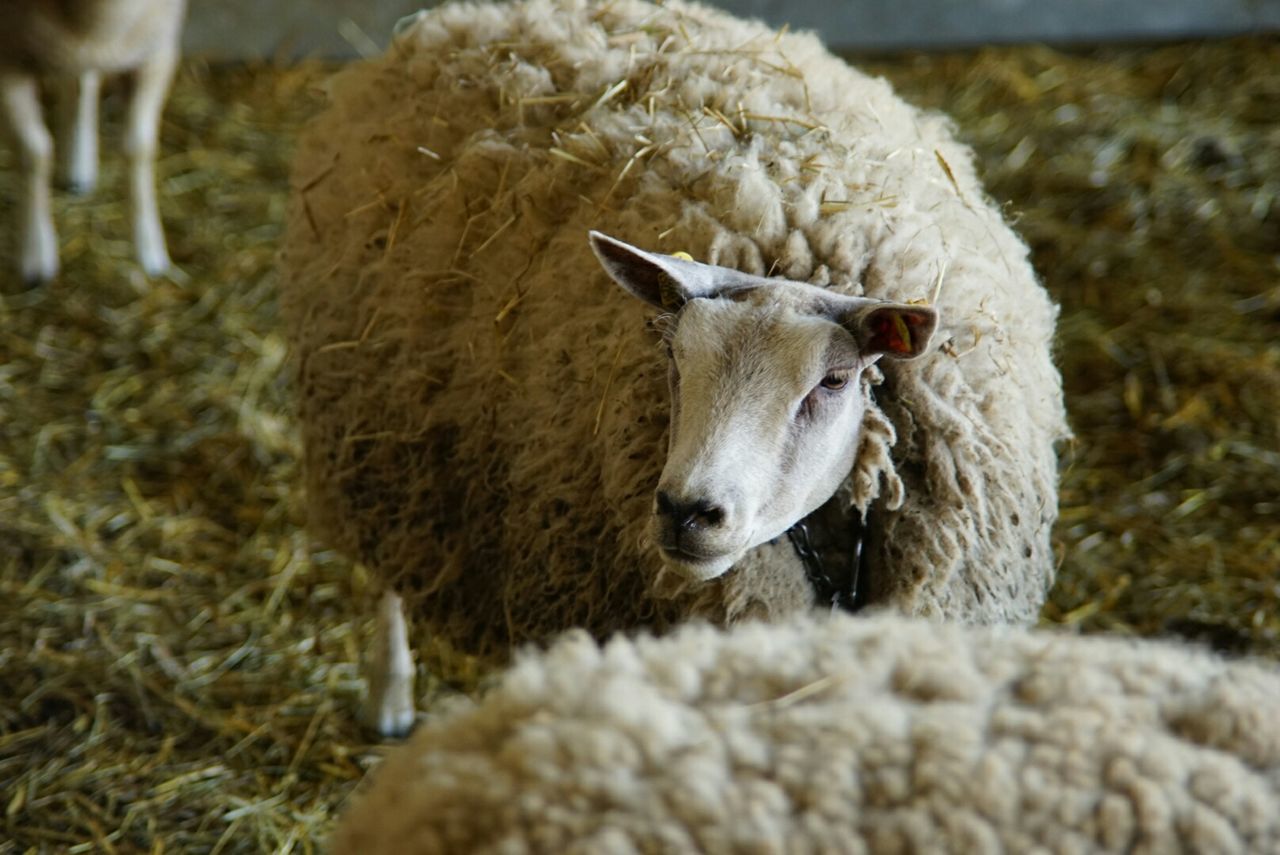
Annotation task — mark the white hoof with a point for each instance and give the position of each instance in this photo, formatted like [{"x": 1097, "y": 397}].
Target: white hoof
[
  {"x": 80, "y": 185},
  {"x": 389, "y": 704},
  {"x": 154, "y": 260},
  {"x": 391, "y": 721},
  {"x": 38, "y": 261}
]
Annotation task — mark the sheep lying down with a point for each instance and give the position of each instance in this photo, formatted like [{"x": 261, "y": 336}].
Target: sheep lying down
[{"x": 842, "y": 734}]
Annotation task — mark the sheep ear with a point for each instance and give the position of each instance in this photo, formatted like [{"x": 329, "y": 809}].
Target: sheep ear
[
  {"x": 897, "y": 330},
  {"x": 663, "y": 281}
]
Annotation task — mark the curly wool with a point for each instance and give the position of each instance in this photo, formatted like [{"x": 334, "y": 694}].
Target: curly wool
[
  {"x": 484, "y": 414},
  {"x": 842, "y": 735}
]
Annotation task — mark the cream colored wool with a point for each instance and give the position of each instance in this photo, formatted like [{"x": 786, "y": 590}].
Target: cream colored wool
[
  {"x": 484, "y": 412},
  {"x": 847, "y": 735}
]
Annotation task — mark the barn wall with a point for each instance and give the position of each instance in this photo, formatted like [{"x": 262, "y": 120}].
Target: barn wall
[{"x": 241, "y": 29}]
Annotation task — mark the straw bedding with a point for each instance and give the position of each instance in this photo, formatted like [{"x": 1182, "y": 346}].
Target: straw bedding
[{"x": 178, "y": 663}]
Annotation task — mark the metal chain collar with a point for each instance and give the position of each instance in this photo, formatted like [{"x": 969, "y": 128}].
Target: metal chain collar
[{"x": 842, "y": 591}]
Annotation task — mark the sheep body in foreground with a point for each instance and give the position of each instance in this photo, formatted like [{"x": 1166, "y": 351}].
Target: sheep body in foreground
[
  {"x": 847, "y": 734},
  {"x": 484, "y": 414},
  {"x": 73, "y": 43}
]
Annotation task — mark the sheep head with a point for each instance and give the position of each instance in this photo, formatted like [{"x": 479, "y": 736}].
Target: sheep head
[{"x": 766, "y": 397}]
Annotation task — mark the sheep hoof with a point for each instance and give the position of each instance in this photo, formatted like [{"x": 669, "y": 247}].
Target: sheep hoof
[
  {"x": 390, "y": 720},
  {"x": 80, "y": 185},
  {"x": 38, "y": 268},
  {"x": 155, "y": 262},
  {"x": 35, "y": 280}
]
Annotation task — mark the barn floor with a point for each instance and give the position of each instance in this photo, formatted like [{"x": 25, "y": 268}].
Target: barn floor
[{"x": 178, "y": 663}]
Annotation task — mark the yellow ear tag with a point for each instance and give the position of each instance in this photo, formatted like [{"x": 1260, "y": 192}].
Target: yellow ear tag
[
  {"x": 904, "y": 332},
  {"x": 682, "y": 255}
]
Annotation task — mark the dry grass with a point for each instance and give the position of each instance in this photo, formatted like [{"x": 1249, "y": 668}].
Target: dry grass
[{"x": 178, "y": 665}]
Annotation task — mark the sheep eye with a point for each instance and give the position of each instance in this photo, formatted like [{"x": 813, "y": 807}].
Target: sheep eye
[{"x": 835, "y": 381}]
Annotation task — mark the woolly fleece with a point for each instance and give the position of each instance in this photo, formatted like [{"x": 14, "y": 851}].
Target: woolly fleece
[
  {"x": 484, "y": 413},
  {"x": 846, "y": 735}
]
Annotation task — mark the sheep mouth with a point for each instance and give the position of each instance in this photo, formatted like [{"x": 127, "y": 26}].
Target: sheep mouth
[
  {"x": 685, "y": 555},
  {"x": 695, "y": 565}
]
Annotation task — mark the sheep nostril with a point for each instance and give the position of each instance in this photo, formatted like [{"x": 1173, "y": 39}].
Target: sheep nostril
[
  {"x": 689, "y": 515},
  {"x": 708, "y": 516}
]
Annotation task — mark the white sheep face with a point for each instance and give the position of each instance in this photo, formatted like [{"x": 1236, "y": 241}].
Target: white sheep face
[{"x": 766, "y": 398}]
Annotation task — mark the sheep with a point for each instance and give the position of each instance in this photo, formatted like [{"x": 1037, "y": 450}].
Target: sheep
[
  {"x": 843, "y": 734},
  {"x": 483, "y": 413},
  {"x": 75, "y": 42}
]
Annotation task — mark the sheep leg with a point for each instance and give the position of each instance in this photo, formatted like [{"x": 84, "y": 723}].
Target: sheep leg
[
  {"x": 38, "y": 252},
  {"x": 142, "y": 133},
  {"x": 389, "y": 704},
  {"x": 80, "y": 133}
]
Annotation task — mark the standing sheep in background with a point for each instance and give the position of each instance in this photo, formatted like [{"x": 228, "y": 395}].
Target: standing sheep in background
[
  {"x": 75, "y": 42},
  {"x": 842, "y": 735},
  {"x": 484, "y": 416}
]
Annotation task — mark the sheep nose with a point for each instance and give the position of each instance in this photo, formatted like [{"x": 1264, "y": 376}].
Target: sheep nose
[{"x": 692, "y": 515}]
